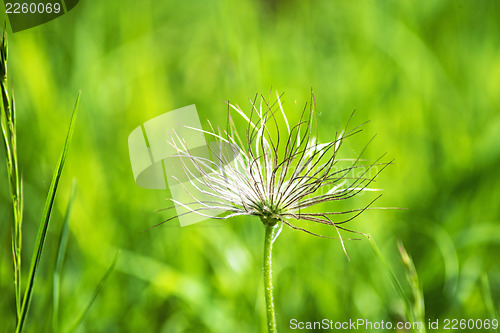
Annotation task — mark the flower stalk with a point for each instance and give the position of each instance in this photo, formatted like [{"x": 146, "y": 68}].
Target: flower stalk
[{"x": 272, "y": 231}]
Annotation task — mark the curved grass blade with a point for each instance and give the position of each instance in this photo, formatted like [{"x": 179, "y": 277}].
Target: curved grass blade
[
  {"x": 61, "y": 252},
  {"x": 97, "y": 290},
  {"x": 44, "y": 223}
]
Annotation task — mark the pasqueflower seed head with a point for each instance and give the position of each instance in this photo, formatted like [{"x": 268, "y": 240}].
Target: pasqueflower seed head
[{"x": 278, "y": 171}]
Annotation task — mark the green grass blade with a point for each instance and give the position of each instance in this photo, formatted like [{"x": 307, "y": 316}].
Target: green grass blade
[
  {"x": 63, "y": 242},
  {"x": 44, "y": 223},
  {"x": 397, "y": 285},
  {"x": 97, "y": 290}
]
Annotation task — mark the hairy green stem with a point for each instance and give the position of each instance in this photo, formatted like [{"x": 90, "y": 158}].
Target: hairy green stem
[
  {"x": 271, "y": 232},
  {"x": 8, "y": 127}
]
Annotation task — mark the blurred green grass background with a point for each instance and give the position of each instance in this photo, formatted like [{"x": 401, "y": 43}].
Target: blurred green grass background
[{"x": 426, "y": 73}]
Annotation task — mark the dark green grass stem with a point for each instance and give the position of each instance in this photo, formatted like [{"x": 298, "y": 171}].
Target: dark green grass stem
[
  {"x": 8, "y": 125},
  {"x": 271, "y": 232}
]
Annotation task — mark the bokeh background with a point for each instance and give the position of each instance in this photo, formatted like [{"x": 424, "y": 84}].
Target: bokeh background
[{"x": 427, "y": 75}]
